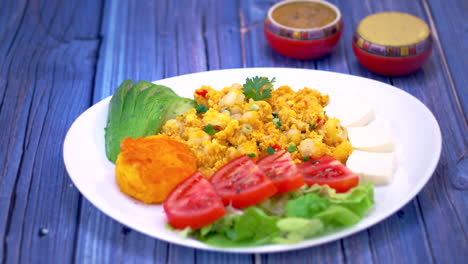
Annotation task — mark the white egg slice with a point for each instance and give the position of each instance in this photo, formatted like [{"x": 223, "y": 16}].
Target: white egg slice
[
  {"x": 351, "y": 111},
  {"x": 372, "y": 166},
  {"x": 376, "y": 137}
]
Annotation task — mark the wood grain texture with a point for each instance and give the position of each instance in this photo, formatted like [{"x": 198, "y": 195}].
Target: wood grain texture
[
  {"x": 57, "y": 58},
  {"x": 450, "y": 28},
  {"x": 45, "y": 68}
]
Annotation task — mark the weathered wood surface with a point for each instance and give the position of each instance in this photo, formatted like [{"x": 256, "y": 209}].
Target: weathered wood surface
[{"x": 57, "y": 58}]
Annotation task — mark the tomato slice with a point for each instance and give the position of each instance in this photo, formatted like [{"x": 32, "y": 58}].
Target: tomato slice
[
  {"x": 282, "y": 170},
  {"x": 241, "y": 183},
  {"x": 327, "y": 170},
  {"x": 193, "y": 203}
]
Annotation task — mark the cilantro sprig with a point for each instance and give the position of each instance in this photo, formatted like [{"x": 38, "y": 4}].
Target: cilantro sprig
[{"x": 258, "y": 88}]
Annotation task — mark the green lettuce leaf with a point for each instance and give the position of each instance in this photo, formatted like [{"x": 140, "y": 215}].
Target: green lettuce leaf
[
  {"x": 290, "y": 218},
  {"x": 251, "y": 228}
]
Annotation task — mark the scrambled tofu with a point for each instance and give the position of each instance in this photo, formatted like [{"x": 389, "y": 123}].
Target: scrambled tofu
[{"x": 288, "y": 120}]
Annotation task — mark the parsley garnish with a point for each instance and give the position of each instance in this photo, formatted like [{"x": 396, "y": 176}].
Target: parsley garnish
[
  {"x": 275, "y": 115},
  {"x": 209, "y": 129},
  {"x": 258, "y": 88},
  {"x": 201, "y": 108},
  {"x": 306, "y": 158},
  {"x": 312, "y": 127},
  {"x": 252, "y": 155},
  {"x": 270, "y": 150}
]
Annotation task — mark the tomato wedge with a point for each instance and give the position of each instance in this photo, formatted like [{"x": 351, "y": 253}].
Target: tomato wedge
[
  {"x": 327, "y": 170},
  {"x": 193, "y": 203},
  {"x": 282, "y": 170},
  {"x": 241, "y": 183}
]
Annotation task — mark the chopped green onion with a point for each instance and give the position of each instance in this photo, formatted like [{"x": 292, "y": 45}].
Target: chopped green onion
[
  {"x": 254, "y": 107},
  {"x": 312, "y": 127},
  {"x": 209, "y": 129},
  {"x": 252, "y": 155},
  {"x": 306, "y": 158},
  {"x": 270, "y": 150},
  {"x": 225, "y": 110},
  {"x": 201, "y": 108},
  {"x": 277, "y": 122},
  {"x": 247, "y": 128},
  {"x": 275, "y": 115},
  {"x": 291, "y": 148}
]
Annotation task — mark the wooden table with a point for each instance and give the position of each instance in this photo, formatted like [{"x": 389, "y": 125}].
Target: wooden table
[{"x": 57, "y": 58}]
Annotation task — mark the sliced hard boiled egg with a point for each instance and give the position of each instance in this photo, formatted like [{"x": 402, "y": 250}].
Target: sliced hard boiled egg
[
  {"x": 376, "y": 137},
  {"x": 371, "y": 166},
  {"x": 351, "y": 111}
]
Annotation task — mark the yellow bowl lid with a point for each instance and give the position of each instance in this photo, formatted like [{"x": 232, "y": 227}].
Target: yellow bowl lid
[{"x": 393, "y": 29}]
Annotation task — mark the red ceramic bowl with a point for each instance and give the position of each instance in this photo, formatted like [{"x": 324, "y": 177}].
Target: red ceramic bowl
[
  {"x": 303, "y": 44},
  {"x": 391, "y": 66},
  {"x": 377, "y": 49}
]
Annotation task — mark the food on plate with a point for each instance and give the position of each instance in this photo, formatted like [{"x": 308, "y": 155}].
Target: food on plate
[
  {"x": 376, "y": 137},
  {"x": 149, "y": 168},
  {"x": 252, "y": 119},
  {"x": 193, "y": 203},
  {"x": 372, "y": 141},
  {"x": 287, "y": 217},
  {"x": 250, "y": 164},
  {"x": 351, "y": 111},
  {"x": 372, "y": 166},
  {"x": 138, "y": 110},
  {"x": 241, "y": 183},
  {"x": 328, "y": 171},
  {"x": 282, "y": 171},
  {"x": 301, "y": 214}
]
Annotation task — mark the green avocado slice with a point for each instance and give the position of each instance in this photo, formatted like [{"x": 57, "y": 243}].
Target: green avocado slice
[{"x": 139, "y": 110}]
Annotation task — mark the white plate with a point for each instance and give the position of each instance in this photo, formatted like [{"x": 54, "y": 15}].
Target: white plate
[{"x": 415, "y": 129}]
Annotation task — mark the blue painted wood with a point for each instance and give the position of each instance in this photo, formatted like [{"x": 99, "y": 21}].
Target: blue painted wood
[
  {"x": 44, "y": 70},
  {"x": 448, "y": 20},
  {"x": 52, "y": 52},
  {"x": 133, "y": 46}
]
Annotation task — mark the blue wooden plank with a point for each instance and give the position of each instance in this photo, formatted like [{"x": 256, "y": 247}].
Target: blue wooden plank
[
  {"x": 448, "y": 22},
  {"x": 41, "y": 76},
  {"x": 131, "y": 48},
  {"x": 221, "y": 32}
]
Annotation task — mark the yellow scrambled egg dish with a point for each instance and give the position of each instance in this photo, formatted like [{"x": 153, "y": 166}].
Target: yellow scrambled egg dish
[{"x": 288, "y": 120}]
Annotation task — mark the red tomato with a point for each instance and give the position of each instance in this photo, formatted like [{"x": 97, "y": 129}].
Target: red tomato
[
  {"x": 282, "y": 170},
  {"x": 193, "y": 203},
  {"x": 327, "y": 170},
  {"x": 241, "y": 183},
  {"x": 201, "y": 92}
]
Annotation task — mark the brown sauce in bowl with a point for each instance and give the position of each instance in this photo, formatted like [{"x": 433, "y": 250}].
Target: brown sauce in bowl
[{"x": 304, "y": 15}]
